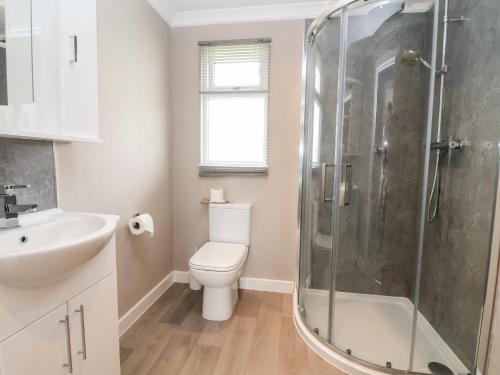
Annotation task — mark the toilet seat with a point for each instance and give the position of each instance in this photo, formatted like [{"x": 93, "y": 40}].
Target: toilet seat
[{"x": 219, "y": 257}]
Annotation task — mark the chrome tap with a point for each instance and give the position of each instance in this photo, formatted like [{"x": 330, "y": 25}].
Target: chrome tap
[{"x": 9, "y": 209}]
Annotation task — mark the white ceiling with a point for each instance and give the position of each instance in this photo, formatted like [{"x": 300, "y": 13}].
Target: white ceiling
[
  {"x": 180, "y": 13},
  {"x": 194, "y": 5},
  {"x": 202, "y": 12}
]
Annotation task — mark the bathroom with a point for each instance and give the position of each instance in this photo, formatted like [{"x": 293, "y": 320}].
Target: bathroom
[{"x": 339, "y": 216}]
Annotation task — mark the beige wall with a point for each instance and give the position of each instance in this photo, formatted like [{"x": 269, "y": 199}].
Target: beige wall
[
  {"x": 130, "y": 171},
  {"x": 273, "y": 242}
]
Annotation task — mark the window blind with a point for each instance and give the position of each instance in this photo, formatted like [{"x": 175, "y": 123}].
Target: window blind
[{"x": 234, "y": 88}]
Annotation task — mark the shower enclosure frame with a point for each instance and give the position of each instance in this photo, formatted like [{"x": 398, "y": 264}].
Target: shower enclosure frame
[{"x": 322, "y": 347}]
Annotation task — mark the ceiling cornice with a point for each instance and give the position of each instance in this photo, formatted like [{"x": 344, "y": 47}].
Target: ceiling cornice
[
  {"x": 242, "y": 14},
  {"x": 164, "y": 9}
]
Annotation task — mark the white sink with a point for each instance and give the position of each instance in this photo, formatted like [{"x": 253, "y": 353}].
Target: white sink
[{"x": 50, "y": 244}]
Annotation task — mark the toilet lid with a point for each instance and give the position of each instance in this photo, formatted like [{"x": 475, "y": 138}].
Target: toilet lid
[{"x": 219, "y": 257}]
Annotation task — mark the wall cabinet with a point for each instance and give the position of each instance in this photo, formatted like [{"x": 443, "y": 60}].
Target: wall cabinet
[
  {"x": 51, "y": 69},
  {"x": 79, "y": 337},
  {"x": 79, "y": 70}
]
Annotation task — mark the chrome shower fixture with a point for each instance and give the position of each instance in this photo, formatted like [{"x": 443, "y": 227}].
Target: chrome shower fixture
[
  {"x": 456, "y": 145},
  {"x": 441, "y": 148},
  {"x": 411, "y": 58}
]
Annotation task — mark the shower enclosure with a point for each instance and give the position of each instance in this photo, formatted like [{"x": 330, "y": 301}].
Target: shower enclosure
[{"x": 398, "y": 184}]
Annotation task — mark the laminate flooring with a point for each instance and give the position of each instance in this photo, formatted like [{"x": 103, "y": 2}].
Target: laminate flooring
[{"x": 172, "y": 338}]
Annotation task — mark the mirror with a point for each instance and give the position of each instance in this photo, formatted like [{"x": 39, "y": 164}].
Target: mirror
[{"x": 16, "y": 63}]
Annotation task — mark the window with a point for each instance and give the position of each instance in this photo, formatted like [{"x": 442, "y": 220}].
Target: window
[{"x": 234, "y": 90}]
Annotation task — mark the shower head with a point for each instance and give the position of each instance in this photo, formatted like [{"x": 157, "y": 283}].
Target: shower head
[
  {"x": 411, "y": 58},
  {"x": 408, "y": 57}
]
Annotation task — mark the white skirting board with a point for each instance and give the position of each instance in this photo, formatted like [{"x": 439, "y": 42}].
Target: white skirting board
[
  {"x": 265, "y": 285},
  {"x": 181, "y": 277},
  {"x": 131, "y": 316}
]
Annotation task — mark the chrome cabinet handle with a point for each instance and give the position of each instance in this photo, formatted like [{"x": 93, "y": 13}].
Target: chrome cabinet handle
[
  {"x": 68, "y": 365},
  {"x": 75, "y": 48},
  {"x": 347, "y": 185},
  {"x": 324, "y": 166},
  {"x": 83, "y": 352}
]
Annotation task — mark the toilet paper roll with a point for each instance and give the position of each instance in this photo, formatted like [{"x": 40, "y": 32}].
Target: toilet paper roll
[
  {"x": 142, "y": 223},
  {"x": 217, "y": 195}
]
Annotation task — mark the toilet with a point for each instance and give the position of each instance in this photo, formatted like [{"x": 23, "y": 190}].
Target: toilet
[{"x": 218, "y": 264}]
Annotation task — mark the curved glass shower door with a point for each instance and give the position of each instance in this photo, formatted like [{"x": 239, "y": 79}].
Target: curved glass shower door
[
  {"x": 383, "y": 126},
  {"x": 317, "y": 180}
]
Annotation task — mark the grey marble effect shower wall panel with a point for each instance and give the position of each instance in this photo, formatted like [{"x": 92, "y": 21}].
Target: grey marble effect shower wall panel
[
  {"x": 378, "y": 231},
  {"x": 29, "y": 162},
  {"x": 457, "y": 246}
]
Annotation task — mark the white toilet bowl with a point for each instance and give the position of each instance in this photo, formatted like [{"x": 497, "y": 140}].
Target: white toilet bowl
[
  {"x": 217, "y": 266},
  {"x": 219, "y": 263}
]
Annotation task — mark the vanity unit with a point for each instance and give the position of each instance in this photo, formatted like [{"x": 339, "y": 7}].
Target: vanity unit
[
  {"x": 58, "y": 295},
  {"x": 58, "y": 292}
]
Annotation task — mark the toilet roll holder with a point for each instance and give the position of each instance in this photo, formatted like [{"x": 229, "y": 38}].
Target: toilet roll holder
[{"x": 136, "y": 225}]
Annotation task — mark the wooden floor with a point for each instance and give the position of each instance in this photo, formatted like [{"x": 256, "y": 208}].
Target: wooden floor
[{"x": 172, "y": 338}]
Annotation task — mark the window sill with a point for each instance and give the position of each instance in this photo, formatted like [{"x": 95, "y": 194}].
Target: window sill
[{"x": 221, "y": 171}]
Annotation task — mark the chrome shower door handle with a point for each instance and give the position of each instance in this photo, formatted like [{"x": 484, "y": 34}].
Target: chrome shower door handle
[
  {"x": 83, "y": 352},
  {"x": 347, "y": 185},
  {"x": 68, "y": 365},
  {"x": 324, "y": 166},
  {"x": 74, "y": 38}
]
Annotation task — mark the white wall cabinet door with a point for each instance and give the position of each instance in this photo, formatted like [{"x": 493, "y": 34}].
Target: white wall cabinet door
[
  {"x": 79, "y": 68},
  {"x": 40, "y": 348},
  {"x": 94, "y": 328}
]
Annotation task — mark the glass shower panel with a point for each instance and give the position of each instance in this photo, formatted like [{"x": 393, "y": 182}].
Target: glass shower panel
[
  {"x": 384, "y": 116},
  {"x": 317, "y": 178}
]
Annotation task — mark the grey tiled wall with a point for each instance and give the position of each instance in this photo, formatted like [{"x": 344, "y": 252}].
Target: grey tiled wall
[{"x": 29, "y": 162}]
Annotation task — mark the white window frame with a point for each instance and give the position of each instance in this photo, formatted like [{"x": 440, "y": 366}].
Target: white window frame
[{"x": 213, "y": 167}]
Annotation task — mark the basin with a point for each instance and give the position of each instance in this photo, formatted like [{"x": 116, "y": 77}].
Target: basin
[{"x": 49, "y": 245}]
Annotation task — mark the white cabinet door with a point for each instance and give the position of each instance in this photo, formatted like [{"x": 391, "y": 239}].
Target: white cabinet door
[
  {"x": 79, "y": 69},
  {"x": 94, "y": 329},
  {"x": 41, "y": 348}
]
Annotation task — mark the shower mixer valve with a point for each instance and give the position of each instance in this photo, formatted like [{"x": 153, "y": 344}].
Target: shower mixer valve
[{"x": 456, "y": 145}]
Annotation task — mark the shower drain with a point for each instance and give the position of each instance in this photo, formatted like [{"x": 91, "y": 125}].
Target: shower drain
[{"x": 439, "y": 369}]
